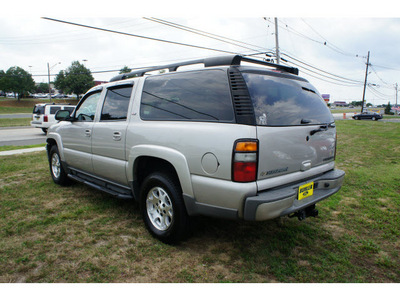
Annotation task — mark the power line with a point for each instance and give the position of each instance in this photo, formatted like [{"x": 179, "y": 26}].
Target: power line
[
  {"x": 339, "y": 78},
  {"x": 205, "y": 34},
  {"x": 139, "y": 36}
]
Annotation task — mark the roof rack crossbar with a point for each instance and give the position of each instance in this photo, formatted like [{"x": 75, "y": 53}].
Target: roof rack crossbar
[{"x": 231, "y": 60}]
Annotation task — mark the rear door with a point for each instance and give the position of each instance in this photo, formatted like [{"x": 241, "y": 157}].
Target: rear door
[
  {"x": 37, "y": 114},
  {"x": 295, "y": 129},
  {"x": 109, "y": 134}
]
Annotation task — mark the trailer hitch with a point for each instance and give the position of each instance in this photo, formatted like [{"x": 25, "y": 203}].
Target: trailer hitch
[{"x": 309, "y": 211}]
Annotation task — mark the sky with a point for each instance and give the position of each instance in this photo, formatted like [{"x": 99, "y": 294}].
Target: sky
[{"x": 330, "y": 43}]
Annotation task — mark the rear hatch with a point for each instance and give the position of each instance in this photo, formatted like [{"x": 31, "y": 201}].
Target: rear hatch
[
  {"x": 295, "y": 128},
  {"x": 37, "y": 114}
]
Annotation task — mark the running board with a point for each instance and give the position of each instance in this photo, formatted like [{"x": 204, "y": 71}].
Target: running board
[{"x": 103, "y": 186}]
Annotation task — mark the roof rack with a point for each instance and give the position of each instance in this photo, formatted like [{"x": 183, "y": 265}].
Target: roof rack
[{"x": 231, "y": 60}]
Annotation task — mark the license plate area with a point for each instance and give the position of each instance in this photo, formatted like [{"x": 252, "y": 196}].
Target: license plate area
[{"x": 305, "y": 190}]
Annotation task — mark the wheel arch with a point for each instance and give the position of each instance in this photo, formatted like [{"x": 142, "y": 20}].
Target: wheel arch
[
  {"x": 144, "y": 160},
  {"x": 55, "y": 141}
]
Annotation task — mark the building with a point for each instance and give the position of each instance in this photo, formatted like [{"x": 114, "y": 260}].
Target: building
[{"x": 340, "y": 103}]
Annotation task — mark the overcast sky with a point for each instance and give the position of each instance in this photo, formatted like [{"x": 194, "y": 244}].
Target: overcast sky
[{"x": 336, "y": 42}]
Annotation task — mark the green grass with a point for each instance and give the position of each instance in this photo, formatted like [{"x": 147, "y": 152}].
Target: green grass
[
  {"x": 15, "y": 122},
  {"x": 8, "y": 148},
  {"x": 15, "y": 110},
  {"x": 76, "y": 234}
]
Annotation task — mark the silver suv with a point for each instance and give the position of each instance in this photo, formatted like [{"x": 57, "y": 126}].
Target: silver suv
[{"x": 230, "y": 140}]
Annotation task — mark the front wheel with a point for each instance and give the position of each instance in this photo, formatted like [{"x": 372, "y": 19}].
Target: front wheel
[{"x": 163, "y": 209}]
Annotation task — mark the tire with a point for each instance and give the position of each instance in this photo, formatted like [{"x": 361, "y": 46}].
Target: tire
[
  {"x": 56, "y": 169},
  {"x": 162, "y": 207}
]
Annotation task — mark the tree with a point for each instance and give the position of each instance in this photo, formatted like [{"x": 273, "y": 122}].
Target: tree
[
  {"x": 76, "y": 79},
  {"x": 125, "y": 70},
  {"x": 42, "y": 88},
  {"x": 16, "y": 80},
  {"x": 388, "y": 109}
]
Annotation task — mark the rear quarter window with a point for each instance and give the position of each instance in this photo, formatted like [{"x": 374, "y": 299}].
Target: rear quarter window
[
  {"x": 190, "y": 96},
  {"x": 280, "y": 101}
]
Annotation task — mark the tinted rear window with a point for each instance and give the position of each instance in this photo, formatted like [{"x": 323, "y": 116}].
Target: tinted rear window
[
  {"x": 283, "y": 102},
  {"x": 192, "y": 96},
  {"x": 39, "y": 110}
]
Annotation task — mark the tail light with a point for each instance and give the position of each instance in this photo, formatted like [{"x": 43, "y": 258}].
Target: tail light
[
  {"x": 245, "y": 161},
  {"x": 45, "y": 118}
]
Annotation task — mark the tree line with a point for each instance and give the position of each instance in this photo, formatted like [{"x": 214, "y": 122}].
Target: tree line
[{"x": 76, "y": 79}]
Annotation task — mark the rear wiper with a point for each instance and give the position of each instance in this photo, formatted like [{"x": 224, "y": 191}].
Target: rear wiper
[
  {"x": 308, "y": 90},
  {"x": 322, "y": 128}
]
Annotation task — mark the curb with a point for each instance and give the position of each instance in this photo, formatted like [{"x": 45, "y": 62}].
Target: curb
[{"x": 21, "y": 151}]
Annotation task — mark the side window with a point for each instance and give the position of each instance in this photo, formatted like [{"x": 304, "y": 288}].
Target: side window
[
  {"x": 191, "y": 96},
  {"x": 69, "y": 108},
  {"x": 54, "y": 109},
  {"x": 87, "y": 108},
  {"x": 116, "y": 103}
]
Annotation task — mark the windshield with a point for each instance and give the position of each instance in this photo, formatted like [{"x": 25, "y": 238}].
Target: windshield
[{"x": 281, "y": 101}]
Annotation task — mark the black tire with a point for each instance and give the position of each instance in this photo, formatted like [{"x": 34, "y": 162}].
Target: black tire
[
  {"x": 56, "y": 168},
  {"x": 163, "y": 209}
]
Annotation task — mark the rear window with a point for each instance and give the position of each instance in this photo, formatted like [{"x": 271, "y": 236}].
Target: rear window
[
  {"x": 54, "y": 109},
  {"x": 38, "y": 109},
  {"x": 191, "y": 96},
  {"x": 281, "y": 101}
]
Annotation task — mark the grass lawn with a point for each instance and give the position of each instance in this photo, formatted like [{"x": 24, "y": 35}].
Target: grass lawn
[
  {"x": 15, "y": 122},
  {"x": 77, "y": 234}
]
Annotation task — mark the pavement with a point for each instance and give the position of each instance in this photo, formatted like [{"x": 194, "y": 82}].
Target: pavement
[
  {"x": 22, "y": 151},
  {"x": 21, "y": 136}
]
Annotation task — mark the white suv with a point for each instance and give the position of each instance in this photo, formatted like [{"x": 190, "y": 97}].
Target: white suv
[
  {"x": 43, "y": 114},
  {"x": 229, "y": 140}
]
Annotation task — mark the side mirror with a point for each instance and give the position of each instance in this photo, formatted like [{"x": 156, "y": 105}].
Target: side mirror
[{"x": 63, "y": 115}]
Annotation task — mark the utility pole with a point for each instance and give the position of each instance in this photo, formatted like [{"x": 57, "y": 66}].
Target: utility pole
[
  {"x": 365, "y": 85},
  {"x": 396, "y": 93},
  {"x": 48, "y": 76},
  {"x": 278, "y": 56}
]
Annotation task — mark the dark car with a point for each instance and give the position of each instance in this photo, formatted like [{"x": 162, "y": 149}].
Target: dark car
[{"x": 367, "y": 115}]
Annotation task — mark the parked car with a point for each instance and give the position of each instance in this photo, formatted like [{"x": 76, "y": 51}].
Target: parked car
[
  {"x": 43, "y": 114},
  {"x": 229, "y": 140},
  {"x": 367, "y": 116}
]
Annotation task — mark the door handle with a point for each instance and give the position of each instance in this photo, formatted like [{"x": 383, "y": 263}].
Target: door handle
[
  {"x": 88, "y": 132},
  {"x": 117, "y": 136}
]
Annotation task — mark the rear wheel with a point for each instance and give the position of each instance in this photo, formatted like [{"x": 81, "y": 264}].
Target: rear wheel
[
  {"x": 56, "y": 169},
  {"x": 163, "y": 209}
]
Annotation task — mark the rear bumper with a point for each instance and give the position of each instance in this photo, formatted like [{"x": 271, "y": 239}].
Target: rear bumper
[
  {"x": 39, "y": 124},
  {"x": 283, "y": 201}
]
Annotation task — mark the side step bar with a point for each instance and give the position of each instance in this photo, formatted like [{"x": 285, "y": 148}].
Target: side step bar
[{"x": 103, "y": 186}]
